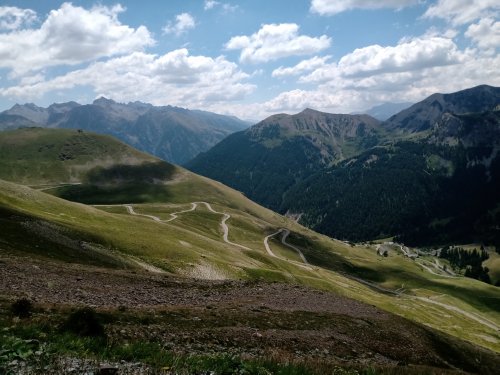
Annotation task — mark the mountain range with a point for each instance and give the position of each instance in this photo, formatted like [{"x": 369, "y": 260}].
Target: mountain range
[
  {"x": 428, "y": 175},
  {"x": 158, "y": 254},
  {"x": 171, "y": 133},
  {"x": 385, "y": 110}
]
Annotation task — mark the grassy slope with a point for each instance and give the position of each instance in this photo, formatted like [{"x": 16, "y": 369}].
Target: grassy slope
[
  {"x": 52, "y": 156},
  {"x": 192, "y": 245}
]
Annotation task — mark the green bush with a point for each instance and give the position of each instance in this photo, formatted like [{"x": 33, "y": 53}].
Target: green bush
[
  {"x": 22, "y": 308},
  {"x": 84, "y": 322}
]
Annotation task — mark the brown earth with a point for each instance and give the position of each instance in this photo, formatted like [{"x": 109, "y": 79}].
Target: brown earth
[{"x": 250, "y": 319}]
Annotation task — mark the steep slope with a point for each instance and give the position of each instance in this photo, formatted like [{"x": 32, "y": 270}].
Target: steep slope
[
  {"x": 431, "y": 178},
  {"x": 270, "y": 157},
  {"x": 50, "y": 156},
  {"x": 8, "y": 121},
  {"x": 203, "y": 229},
  {"x": 40, "y": 115},
  {"x": 171, "y": 133},
  {"x": 422, "y": 116},
  {"x": 440, "y": 189}
]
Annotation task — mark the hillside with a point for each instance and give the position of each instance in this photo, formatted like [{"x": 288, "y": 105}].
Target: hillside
[
  {"x": 421, "y": 116},
  {"x": 138, "y": 251},
  {"x": 270, "y": 157},
  {"x": 428, "y": 175},
  {"x": 171, "y": 133}
]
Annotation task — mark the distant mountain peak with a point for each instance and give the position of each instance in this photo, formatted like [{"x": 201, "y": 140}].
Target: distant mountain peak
[
  {"x": 172, "y": 133},
  {"x": 384, "y": 111},
  {"x": 308, "y": 111},
  {"x": 423, "y": 115},
  {"x": 102, "y": 101}
]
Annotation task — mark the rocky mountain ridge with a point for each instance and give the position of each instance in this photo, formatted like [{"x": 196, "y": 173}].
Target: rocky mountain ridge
[
  {"x": 171, "y": 133},
  {"x": 428, "y": 174}
]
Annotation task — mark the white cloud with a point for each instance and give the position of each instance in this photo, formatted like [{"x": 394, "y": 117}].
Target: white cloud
[
  {"x": 210, "y": 4},
  {"x": 275, "y": 41},
  {"x": 407, "y": 56},
  {"x": 297, "y": 100},
  {"x": 460, "y": 12},
  {"x": 485, "y": 33},
  {"x": 347, "y": 95},
  {"x": 302, "y": 67},
  {"x": 411, "y": 55},
  {"x": 408, "y": 71},
  {"x": 71, "y": 35},
  {"x": 226, "y": 7},
  {"x": 183, "y": 22},
  {"x": 12, "y": 18},
  {"x": 331, "y": 7},
  {"x": 176, "y": 78}
]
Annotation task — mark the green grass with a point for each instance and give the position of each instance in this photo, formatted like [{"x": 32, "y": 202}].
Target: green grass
[
  {"x": 41, "y": 343},
  {"x": 195, "y": 239},
  {"x": 41, "y": 156},
  {"x": 113, "y": 194},
  {"x": 43, "y": 339},
  {"x": 37, "y": 224}
]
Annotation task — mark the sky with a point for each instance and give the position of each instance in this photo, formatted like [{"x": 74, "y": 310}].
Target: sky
[{"x": 248, "y": 58}]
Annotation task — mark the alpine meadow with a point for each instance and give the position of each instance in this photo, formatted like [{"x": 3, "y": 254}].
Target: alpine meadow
[{"x": 250, "y": 187}]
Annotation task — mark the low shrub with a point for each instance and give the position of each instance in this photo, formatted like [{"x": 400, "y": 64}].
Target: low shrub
[{"x": 84, "y": 322}]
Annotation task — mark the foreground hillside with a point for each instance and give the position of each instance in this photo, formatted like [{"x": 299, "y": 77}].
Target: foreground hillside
[
  {"x": 157, "y": 324},
  {"x": 257, "y": 288},
  {"x": 429, "y": 175}
]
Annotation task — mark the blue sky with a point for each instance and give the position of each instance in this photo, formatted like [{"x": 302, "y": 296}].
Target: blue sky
[{"x": 246, "y": 58}]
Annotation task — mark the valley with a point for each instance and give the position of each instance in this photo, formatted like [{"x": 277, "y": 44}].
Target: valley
[
  {"x": 428, "y": 176},
  {"x": 149, "y": 245},
  {"x": 222, "y": 187}
]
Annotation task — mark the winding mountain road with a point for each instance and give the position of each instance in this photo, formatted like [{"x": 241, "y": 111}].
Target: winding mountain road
[
  {"x": 194, "y": 205},
  {"x": 174, "y": 214},
  {"x": 283, "y": 241},
  {"x": 131, "y": 211},
  {"x": 456, "y": 309},
  {"x": 286, "y": 232},
  {"x": 476, "y": 317}
]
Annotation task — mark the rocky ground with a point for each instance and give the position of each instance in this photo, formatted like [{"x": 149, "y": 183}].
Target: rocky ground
[{"x": 248, "y": 319}]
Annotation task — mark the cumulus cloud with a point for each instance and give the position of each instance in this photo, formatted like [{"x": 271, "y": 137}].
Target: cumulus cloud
[
  {"x": 176, "y": 78},
  {"x": 301, "y": 67},
  {"x": 210, "y": 4},
  {"x": 460, "y": 12},
  {"x": 407, "y": 56},
  {"x": 275, "y": 41},
  {"x": 71, "y": 35},
  {"x": 183, "y": 22},
  {"x": 297, "y": 100},
  {"x": 347, "y": 95},
  {"x": 331, "y": 7},
  {"x": 226, "y": 7},
  {"x": 485, "y": 33},
  {"x": 12, "y": 18},
  {"x": 409, "y": 71}
]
